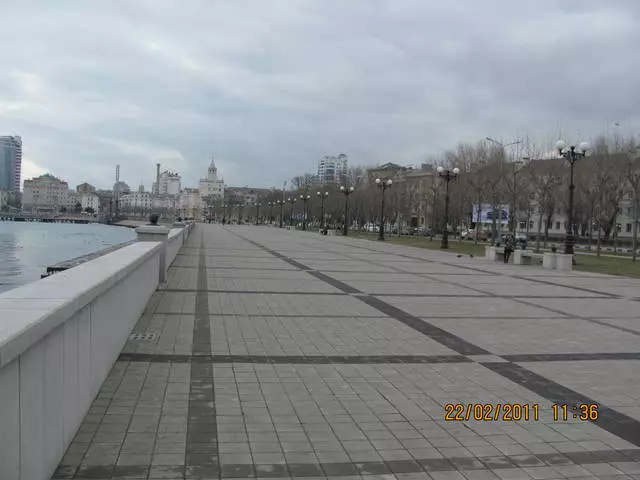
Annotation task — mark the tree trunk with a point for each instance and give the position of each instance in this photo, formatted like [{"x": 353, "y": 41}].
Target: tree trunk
[
  {"x": 598, "y": 240},
  {"x": 479, "y": 218},
  {"x": 634, "y": 243},
  {"x": 539, "y": 232},
  {"x": 615, "y": 233},
  {"x": 590, "y": 230},
  {"x": 547, "y": 220}
]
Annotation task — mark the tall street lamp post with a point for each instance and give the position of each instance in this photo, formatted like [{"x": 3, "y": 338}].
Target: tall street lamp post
[
  {"x": 281, "y": 205},
  {"x": 305, "y": 199},
  {"x": 382, "y": 184},
  {"x": 322, "y": 198},
  {"x": 240, "y": 207},
  {"x": 257, "y": 213},
  {"x": 271, "y": 204},
  {"x": 517, "y": 164},
  {"x": 572, "y": 156},
  {"x": 447, "y": 175},
  {"x": 347, "y": 191},
  {"x": 291, "y": 200}
]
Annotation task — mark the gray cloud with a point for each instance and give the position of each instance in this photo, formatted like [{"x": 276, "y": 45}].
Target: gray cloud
[{"x": 270, "y": 86}]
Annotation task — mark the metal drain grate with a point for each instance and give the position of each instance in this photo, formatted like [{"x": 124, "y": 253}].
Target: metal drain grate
[{"x": 142, "y": 336}]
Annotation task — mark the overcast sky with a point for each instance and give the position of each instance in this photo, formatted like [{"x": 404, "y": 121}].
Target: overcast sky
[{"x": 270, "y": 86}]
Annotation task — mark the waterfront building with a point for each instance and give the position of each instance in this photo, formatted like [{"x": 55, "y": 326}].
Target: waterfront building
[
  {"x": 10, "y": 163},
  {"x": 89, "y": 200},
  {"x": 45, "y": 194}
]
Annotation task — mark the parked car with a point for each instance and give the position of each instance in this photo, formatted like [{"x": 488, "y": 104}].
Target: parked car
[{"x": 472, "y": 234}]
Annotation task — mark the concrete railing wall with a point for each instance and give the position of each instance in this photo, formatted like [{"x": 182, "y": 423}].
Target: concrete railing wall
[
  {"x": 174, "y": 242},
  {"x": 59, "y": 338}
]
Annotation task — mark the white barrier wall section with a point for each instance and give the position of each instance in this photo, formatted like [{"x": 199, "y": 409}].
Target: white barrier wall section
[
  {"x": 59, "y": 338},
  {"x": 174, "y": 243}
]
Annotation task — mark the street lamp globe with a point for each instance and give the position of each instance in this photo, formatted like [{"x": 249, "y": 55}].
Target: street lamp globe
[
  {"x": 560, "y": 145},
  {"x": 378, "y": 181},
  {"x": 352, "y": 189},
  {"x": 301, "y": 196},
  {"x": 389, "y": 182},
  {"x": 440, "y": 169},
  {"x": 456, "y": 171},
  {"x": 342, "y": 188},
  {"x": 318, "y": 193},
  {"x": 584, "y": 146}
]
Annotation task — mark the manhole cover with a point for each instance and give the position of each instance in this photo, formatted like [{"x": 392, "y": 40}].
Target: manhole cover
[{"x": 142, "y": 336}]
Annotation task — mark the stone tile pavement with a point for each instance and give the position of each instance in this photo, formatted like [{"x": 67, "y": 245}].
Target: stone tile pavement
[{"x": 278, "y": 354}]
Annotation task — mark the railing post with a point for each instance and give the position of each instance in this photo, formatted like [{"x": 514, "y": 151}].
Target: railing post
[{"x": 153, "y": 233}]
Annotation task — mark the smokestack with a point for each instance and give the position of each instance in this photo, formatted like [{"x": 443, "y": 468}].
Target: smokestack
[{"x": 157, "y": 179}]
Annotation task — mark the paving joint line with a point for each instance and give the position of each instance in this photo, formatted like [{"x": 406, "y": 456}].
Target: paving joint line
[{"x": 367, "y": 468}]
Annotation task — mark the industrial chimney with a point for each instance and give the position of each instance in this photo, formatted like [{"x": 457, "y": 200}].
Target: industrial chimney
[{"x": 157, "y": 179}]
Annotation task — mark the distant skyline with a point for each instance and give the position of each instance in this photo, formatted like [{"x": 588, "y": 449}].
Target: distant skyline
[{"x": 270, "y": 87}]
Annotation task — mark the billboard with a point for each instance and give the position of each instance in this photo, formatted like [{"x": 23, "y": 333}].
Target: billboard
[{"x": 486, "y": 213}]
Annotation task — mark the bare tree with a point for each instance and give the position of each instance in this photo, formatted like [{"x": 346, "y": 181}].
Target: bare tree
[{"x": 633, "y": 177}]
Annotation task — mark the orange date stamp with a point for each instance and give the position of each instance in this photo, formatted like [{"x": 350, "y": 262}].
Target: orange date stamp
[
  {"x": 491, "y": 412},
  {"x": 515, "y": 412}
]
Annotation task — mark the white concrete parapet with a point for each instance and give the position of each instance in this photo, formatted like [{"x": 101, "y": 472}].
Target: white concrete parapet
[
  {"x": 549, "y": 260},
  {"x": 154, "y": 233},
  {"x": 564, "y": 262},
  {"x": 59, "y": 338},
  {"x": 490, "y": 252}
]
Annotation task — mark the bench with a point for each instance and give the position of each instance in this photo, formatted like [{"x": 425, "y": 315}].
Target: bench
[
  {"x": 494, "y": 253},
  {"x": 525, "y": 257}
]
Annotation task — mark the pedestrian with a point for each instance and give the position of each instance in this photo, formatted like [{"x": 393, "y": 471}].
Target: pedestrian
[{"x": 508, "y": 247}]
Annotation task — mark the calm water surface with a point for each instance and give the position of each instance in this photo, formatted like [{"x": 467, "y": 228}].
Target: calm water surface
[{"x": 27, "y": 248}]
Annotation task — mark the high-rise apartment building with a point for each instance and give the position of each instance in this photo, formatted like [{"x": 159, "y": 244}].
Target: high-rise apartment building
[
  {"x": 10, "y": 163},
  {"x": 331, "y": 170}
]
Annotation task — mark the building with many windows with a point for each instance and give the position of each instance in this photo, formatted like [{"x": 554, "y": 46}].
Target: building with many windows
[
  {"x": 139, "y": 201},
  {"x": 89, "y": 201},
  {"x": 10, "y": 163},
  {"x": 85, "y": 188},
  {"x": 45, "y": 193},
  {"x": 189, "y": 203},
  {"x": 170, "y": 183},
  {"x": 212, "y": 186},
  {"x": 331, "y": 170}
]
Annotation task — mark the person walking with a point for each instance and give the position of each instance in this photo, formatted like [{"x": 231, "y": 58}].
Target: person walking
[{"x": 508, "y": 248}]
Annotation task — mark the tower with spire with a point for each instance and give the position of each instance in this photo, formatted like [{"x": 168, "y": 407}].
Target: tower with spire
[
  {"x": 211, "y": 187},
  {"x": 213, "y": 171}
]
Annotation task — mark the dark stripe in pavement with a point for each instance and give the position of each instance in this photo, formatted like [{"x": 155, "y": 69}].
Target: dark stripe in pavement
[
  {"x": 202, "y": 455},
  {"x": 610, "y": 420},
  {"x": 250, "y": 292},
  {"x": 293, "y": 359},
  {"x": 345, "y": 469},
  {"x": 218, "y": 267},
  {"x": 441, "y": 336},
  {"x": 571, "y": 357}
]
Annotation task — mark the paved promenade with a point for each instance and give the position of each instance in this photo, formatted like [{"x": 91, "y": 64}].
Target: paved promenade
[{"x": 278, "y": 354}]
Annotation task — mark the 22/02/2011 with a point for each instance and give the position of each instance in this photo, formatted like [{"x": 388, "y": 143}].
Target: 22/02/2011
[{"x": 514, "y": 412}]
